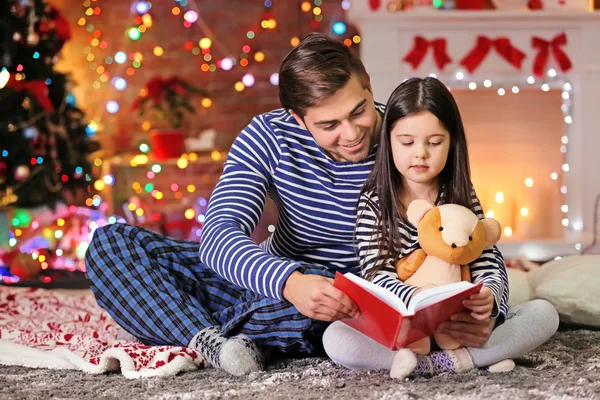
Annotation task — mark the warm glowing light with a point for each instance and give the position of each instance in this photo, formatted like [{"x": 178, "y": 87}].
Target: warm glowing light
[
  {"x": 182, "y": 163},
  {"x": 190, "y": 213},
  {"x": 524, "y": 211},
  {"x": 215, "y": 155},
  {"x": 529, "y": 182},
  {"x": 500, "y": 197},
  {"x": 205, "y": 43},
  {"x": 508, "y": 231},
  {"x": 99, "y": 185}
]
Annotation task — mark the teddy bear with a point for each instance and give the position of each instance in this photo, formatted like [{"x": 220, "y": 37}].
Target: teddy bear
[{"x": 451, "y": 237}]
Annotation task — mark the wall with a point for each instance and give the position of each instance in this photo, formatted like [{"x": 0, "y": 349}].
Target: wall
[
  {"x": 511, "y": 138},
  {"x": 230, "y": 110}
]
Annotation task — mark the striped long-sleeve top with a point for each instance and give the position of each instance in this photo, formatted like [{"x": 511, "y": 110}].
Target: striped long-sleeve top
[
  {"x": 316, "y": 199},
  {"x": 488, "y": 268}
]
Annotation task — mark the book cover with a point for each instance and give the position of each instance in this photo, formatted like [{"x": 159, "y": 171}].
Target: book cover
[{"x": 387, "y": 325}]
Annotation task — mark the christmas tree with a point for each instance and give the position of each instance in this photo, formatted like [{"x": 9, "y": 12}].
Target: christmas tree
[
  {"x": 45, "y": 140},
  {"x": 45, "y": 175}
]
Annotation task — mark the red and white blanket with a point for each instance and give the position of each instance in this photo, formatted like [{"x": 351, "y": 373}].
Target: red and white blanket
[{"x": 43, "y": 329}]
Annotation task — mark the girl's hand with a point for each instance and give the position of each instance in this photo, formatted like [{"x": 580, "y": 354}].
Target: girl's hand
[{"x": 481, "y": 304}]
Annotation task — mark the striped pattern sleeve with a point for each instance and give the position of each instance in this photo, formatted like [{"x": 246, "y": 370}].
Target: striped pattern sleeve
[
  {"x": 489, "y": 268},
  {"x": 234, "y": 210},
  {"x": 368, "y": 240}
]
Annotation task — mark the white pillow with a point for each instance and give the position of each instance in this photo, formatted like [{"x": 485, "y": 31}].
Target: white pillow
[
  {"x": 520, "y": 289},
  {"x": 572, "y": 285}
]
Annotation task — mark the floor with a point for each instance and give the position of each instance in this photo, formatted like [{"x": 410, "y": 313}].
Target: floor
[{"x": 567, "y": 367}]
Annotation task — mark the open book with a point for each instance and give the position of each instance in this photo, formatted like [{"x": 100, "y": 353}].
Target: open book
[{"x": 386, "y": 319}]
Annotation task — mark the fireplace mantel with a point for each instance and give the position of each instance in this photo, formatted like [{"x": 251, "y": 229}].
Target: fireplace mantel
[
  {"x": 363, "y": 14},
  {"x": 386, "y": 37}
]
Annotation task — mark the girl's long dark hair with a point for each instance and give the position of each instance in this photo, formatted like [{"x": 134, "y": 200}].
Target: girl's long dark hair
[{"x": 411, "y": 97}]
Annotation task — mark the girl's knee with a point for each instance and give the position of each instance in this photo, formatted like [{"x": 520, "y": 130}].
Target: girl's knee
[
  {"x": 340, "y": 343},
  {"x": 333, "y": 337},
  {"x": 546, "y": 315}
]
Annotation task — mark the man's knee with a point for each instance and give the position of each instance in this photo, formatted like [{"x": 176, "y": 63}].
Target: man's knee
[{"x": 100, "y": 247}]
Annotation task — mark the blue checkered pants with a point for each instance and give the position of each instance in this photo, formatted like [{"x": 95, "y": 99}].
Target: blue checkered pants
[{"x": 157, "y": 289}]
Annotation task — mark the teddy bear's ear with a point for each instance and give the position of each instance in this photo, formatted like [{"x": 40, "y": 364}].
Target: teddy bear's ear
[
  {"x": 416, "y": 211},
  {"x": 493, "y": 231}
]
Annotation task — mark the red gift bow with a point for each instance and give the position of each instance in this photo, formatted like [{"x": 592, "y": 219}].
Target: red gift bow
[
  {"x": 37, "y": 88},
  {"x": 543, "y": 47},
  {"x": 419, "y": 50},
  {"x": 483, "y": 47}
]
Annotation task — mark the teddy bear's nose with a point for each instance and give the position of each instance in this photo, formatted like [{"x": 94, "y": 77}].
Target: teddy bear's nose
[{"x": 454, "y": 245}]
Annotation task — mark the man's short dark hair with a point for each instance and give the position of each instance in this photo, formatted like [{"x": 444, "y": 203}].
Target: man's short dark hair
[{"x": 316, "y": 69}]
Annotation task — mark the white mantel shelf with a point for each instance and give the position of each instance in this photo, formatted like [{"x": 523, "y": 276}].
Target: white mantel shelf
[{"x": 454, "y": 16}]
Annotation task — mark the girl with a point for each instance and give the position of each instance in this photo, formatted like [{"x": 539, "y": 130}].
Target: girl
[{"x": 423, "y": 154}]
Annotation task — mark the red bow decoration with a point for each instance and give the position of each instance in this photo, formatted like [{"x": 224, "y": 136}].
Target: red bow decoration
[
  {"x": 419, "y": 50},
  {"x": 374, "y": 4},
  {"x": 483, "y": 46},
  {"x": 37, "y": 88},
  {"x": 543, "y": 47}
]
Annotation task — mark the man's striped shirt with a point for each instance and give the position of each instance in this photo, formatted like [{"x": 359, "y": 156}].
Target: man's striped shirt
[{"x": 316, "y": 199}]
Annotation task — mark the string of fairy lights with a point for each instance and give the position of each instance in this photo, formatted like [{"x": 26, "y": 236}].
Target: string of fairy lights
[
  {"x": 552, "y": 81},
  {"x": 117, "y": 65},
  {"x": 216, "y": 56}
]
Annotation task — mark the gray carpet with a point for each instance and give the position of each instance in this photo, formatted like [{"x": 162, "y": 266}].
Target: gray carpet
[{"x": 567, "y": 367}]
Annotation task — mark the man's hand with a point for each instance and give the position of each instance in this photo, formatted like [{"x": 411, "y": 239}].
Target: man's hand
[
  {"x": 315, "y": 297},
  {"x": 481, "y": 304},
  {"x": 468, "y": 331}
]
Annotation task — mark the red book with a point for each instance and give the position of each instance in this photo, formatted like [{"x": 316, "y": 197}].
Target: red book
[{"x": 385, "y": 318}]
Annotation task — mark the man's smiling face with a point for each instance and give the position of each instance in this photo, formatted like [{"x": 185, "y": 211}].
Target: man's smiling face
[{"x": 346, "y": 125}]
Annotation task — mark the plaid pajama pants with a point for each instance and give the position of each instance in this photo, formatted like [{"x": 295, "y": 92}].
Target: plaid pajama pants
[{"x": 157, "y": 289}]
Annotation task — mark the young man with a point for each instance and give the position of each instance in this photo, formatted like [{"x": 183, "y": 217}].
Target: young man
[{"x": 228, "y": 297}]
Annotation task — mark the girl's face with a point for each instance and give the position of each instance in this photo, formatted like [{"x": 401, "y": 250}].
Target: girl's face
[{"x": 420, "y": 147}]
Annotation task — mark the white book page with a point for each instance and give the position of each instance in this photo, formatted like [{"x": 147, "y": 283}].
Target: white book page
[
  {"x": 436, "y": 294},
  {"x": 383, "y": 294}
]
